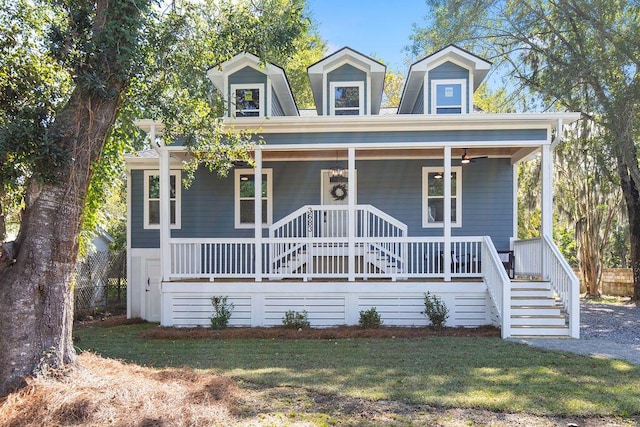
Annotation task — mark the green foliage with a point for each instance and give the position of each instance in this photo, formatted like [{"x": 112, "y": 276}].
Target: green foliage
[
  {"x": 435, "y": 310},
  {"x": 579, "y": 56},
  {"x": 370, "y": 319},
  {"x": 49, "y": 48},
  {"x": 221, "y": 312},
  {"x": 295, "y": 320}
]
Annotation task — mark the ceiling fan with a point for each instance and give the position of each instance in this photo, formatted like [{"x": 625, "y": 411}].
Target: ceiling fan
[{"x": 465, "y": 158}]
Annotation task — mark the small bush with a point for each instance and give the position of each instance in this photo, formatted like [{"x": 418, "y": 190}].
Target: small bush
[
  {"x": 221, "y": 312},
  {"x": 435, "y": 310},
  {"x": 294, "y": 320},
  {"x": 370, "y": 319}
]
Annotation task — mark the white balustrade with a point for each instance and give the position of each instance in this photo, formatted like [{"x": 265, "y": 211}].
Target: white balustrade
[
  {"x": 498, "y": 285},
  {"x": 528, "y": 257}
]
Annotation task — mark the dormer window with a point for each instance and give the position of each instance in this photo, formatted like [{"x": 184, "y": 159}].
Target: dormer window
[
  {"x": 248, "y": 100},
  {"x": 347, "y": 98},
  {"x": 448, "y": 96}
]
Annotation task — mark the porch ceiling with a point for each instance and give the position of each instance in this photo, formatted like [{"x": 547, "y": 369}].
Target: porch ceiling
[{"x": 394, "y": 153}]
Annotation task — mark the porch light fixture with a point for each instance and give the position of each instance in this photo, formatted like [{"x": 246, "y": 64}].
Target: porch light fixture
[
  {"x": 438, "y": 175},
  {"x": 336, "y": 173}
]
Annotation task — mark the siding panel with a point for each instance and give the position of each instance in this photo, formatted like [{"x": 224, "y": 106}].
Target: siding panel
[
  {"x": 426, "y": 137},
  {"x": 394, "y": 186}
]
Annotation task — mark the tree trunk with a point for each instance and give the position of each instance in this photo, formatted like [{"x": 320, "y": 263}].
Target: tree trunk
[
  {"x": 626, "y": 150},
  {"x": 36, "y": 299}
]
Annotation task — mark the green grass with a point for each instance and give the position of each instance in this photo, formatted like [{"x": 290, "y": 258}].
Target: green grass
[{"x": 453, "y": 372}]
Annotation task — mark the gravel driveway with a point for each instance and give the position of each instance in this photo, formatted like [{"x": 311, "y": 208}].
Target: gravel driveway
[{"x": 606, "y": 330}]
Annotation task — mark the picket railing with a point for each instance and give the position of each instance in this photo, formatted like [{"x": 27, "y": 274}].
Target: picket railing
[
  {"x": 498, "y": 285},
  {"x": 322, "y": 257}
]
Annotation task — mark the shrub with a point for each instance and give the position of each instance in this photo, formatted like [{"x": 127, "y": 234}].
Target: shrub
[
  {"x": 294, "y": 320},
  {"x": 370, "y": 319},
  {"x": 221, "y": 312},
  {"x": 435, "y": 310}
]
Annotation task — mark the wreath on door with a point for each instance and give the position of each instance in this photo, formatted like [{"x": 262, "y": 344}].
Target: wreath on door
[{"x": 339, "y": 192}]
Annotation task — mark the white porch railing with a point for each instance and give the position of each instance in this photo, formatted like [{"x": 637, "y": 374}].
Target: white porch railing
[
  {"x": 541, "y": 257},
  {"x": 212, "y": 258},
  {"x": 332, "y": 222},
  {"x": 564, "y": 282},
  {"x": 314, "y": 242},
  {"x": 528, "y": 256},
  {"x": 308, "y": 258},
  {"x": 498, "y": 285}
]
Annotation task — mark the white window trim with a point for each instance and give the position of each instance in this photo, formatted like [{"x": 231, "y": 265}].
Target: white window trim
[
  {"x": 262, "y": 97},
  {"x": 463, "y": 94},
  {"x": 455, "y": 192},
  {"x": 332, "y": 96},
  {"x": 238, "y": 172},
  {"x": 177, "y": 174}
]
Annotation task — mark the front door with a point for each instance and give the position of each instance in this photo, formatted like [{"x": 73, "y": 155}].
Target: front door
[
  {"x": 152, "y": 291},
  {"x": 335, "y": 191}
]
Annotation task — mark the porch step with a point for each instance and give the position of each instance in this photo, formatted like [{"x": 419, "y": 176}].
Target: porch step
[
  {"x": 531, "y": 292},
  {"x": 535, "y": 311},
  {"x": 520, "y": 331},
  {"x": 521, "y": 284},
  {"x": 538, "y": 320},
  {"x": 532, "y": 301}
]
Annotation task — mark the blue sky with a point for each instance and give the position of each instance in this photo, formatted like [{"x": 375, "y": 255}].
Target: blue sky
[{"x": 372, "y": 27}]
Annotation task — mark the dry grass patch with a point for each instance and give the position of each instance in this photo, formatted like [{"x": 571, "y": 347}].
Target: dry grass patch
[{"x": 108, "y": 392}]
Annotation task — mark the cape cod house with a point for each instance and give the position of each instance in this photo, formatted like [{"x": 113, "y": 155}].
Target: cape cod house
[{"x": 359, "y": 206}]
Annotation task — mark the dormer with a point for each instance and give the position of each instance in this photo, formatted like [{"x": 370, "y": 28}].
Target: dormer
[
  {"x": 443, "y": 83},
  {"x": 251, "y": 88},
  {"x": 347, "y": 83}
]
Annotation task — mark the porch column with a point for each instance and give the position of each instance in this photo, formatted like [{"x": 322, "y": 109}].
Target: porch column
[
  {"x": 165, "y": 214},
  {"x": 547, "y": 202},
  {"x": 351, "y": 198},
  {"x": 447, "y": 214},
  {"x": 258, "y": 214}
]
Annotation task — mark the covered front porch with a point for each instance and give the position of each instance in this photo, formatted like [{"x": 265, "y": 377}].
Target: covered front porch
[{"x": 357, "y": 253}]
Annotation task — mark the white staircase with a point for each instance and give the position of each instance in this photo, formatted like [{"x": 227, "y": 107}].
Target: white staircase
[
  {"x": 374, "y": 260},
  {"x": 535, "y": 311}
]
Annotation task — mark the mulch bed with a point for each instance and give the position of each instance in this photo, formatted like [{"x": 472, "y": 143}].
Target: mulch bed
[
  {"x": 278, "y": 332},
  {"x": 339, "y": 332}
]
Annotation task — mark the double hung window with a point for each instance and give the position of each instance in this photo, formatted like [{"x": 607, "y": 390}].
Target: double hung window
[
  {"x": 248, "y": 100},
  {"x": 346, "y": 98},
  {"x": 433, "y": 196},
  {"x": 245, "y": 198},
  {"x": 152, "y": 199}
]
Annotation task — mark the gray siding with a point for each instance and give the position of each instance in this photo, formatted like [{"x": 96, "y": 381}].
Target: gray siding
[
  {"x": 384, "y": 138},
  {"x": 447, "y": 71},
  {"x": 140, "y": 238},
  {"x": 394, "y": 186},
  {"x": 276, "y": 108},
  {"x": 347, "y": 73},
  {"x": 246, "y": 75},
  {"x": 418, "y": 108}
]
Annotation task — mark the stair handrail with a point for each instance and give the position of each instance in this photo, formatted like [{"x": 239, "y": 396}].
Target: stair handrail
[
  {"x": 564, "y": 282},
  {"x": 301, "y": 211},
  {"x": 498, "y": 284},
  {"x": 386, "y": 217}
]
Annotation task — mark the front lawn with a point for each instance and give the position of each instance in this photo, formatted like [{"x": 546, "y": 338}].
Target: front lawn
[{"x": 462, "y": 372}]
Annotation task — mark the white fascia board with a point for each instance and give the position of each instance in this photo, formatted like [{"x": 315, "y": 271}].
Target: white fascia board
[
  {"x": 399, "y": 122},
  {"x": 452, "y": 52},
  {"x": 403, "y": 145},
  {"x": 145, "y": 125}
]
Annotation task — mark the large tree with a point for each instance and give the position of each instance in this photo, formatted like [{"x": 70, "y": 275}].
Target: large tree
[
  {"x": 66, "y": 69},
  {"x": 559, "y": 50}
]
